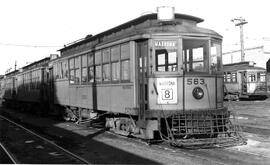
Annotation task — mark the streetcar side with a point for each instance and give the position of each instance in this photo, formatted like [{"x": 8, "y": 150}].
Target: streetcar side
[
  {"x": 244, "y": 80},
  {"x": 9, "y": 87},
  {"x": 26, "y": 89}
]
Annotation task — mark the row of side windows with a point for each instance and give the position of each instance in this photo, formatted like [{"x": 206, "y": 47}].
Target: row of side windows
[
  {"x": 106, "y": 65},
  {"x": 30, "y": 80},
  {"x": 230, "y": 77}
]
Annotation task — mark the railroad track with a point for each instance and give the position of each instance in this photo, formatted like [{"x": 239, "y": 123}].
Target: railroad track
[
  {"x": 25, "y": 146},
  {"x": 215, "y": 156},
  {"x": 6, "y": 157}
]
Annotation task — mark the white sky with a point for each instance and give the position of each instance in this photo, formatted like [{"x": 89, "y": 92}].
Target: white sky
[{"x": 58, "y": 22}]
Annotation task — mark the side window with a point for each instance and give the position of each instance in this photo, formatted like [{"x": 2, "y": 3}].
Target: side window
[
  {"x": 32, "y": 85},
  {"x": 77, "y": 70},
  {"x": 261, "y": 77},
  {"x": 55, "y": 71},
  {"x": 59, "y": 70},
  {"x": 98, "y": 66},
  {"x": 65, "y": 69},
  {"x": 106, "y": 70},
  {"x": 90, "y": 67},
  {"x": 84, "y": 69},
  {"x": 228, "y": 77},
  {"x": 71, "y": 70},
  {"x": 125, "y": 62},
  {"x": 115, "y": 57},
  {"x": 234, "y": 77},
  {"x": 215, "y": 58},
  {"x": 251, "y": 77}
]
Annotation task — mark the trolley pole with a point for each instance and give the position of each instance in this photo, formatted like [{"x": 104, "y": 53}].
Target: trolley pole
[
  {"x": 15, "y": 65},
  {"x": 240, "y": 22}
]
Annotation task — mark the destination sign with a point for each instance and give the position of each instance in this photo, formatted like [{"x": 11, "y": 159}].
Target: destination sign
[{"x": 169, "y": 44}]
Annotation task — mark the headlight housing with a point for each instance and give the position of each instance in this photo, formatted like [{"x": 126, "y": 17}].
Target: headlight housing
[{"x": 198, "y": 93}]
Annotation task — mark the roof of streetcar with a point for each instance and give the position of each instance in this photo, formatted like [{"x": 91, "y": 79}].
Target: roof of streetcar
[
  {"x": 246, "y": 65},
  {"x": 128, "y": 24}
]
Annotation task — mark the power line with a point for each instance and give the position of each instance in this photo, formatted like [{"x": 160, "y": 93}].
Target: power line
[{"x": 31, "y": 46}]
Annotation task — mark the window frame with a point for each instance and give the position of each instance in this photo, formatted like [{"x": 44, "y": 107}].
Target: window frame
[
  {"x": 107, "y": 63},
  {"x": 219, "y": 64},
  {"x": 252, "y": 77},
  {"x": 166, "y": 60},
  {"x": 84, "y": 67},
  {"x": 90, "y": 79},
  {"x": 99, "y": 65},
  {"x": 116, "y": 60},
  {"x": 123, "y": 59},
  {"x": 70, "y": 70},
  {"x": 206, "y": 56},
  {"x": 228, "y": 75}
]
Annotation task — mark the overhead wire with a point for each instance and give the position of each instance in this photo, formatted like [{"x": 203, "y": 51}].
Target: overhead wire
[{"x": 32, "y": 46}]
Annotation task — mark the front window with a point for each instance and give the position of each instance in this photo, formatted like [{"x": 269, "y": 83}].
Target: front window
[
  {"x": 166, "y": 60},
  {"x": 251, "y": 77},
  {"x": 166, "y": 56},
  {"x": 195, "y": 55}
]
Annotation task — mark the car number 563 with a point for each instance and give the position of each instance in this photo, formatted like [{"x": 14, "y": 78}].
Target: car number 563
[{"x": 195, "y": 81}]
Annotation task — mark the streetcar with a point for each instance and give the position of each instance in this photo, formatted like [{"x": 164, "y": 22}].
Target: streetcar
[
  {"x": 243, "y": 80},
  {"x": 154, "y": 77},
  {"x": 9, "y": 88}
]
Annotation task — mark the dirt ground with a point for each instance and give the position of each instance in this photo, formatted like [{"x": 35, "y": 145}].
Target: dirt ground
[
  {"x": 254, "y": 119},
  {"x": 101, "y": 147}
]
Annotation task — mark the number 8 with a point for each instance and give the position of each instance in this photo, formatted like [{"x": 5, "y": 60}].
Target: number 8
[{"x": 167, "y": 94}]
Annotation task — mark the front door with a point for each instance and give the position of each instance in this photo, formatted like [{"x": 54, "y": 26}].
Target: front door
[
  {"x": 142, "y": 80},
  {"x": 244, "y": 82}
]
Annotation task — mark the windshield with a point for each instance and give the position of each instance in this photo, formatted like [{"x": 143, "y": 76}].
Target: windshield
[{"x": 196, "y": 54}]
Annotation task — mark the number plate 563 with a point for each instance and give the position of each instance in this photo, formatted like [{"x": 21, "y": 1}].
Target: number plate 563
[{"x": 195, "y": 81}]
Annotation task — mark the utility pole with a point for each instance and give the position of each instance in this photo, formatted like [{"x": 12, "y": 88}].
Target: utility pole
[
  {"x": 240, "y": 22},
  {"x": 15, "y": 65}
]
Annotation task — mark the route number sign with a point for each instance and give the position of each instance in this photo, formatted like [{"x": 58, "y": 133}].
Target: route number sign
[{"x": 167, "y": 90}]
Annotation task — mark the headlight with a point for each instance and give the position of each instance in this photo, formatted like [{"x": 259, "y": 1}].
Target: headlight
[{"x": 198, "y": 93}]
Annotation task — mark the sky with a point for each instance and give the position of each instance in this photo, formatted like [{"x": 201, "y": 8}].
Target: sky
[{"x": 33, "y": 29}]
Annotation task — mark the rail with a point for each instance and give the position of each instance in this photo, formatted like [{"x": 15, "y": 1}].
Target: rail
[
  {"x": 48, "y": 141},
  {"x": 9, "y": 154}
]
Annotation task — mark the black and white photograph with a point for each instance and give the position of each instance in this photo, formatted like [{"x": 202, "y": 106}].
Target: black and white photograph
[{"x": 135, "y": 82}]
